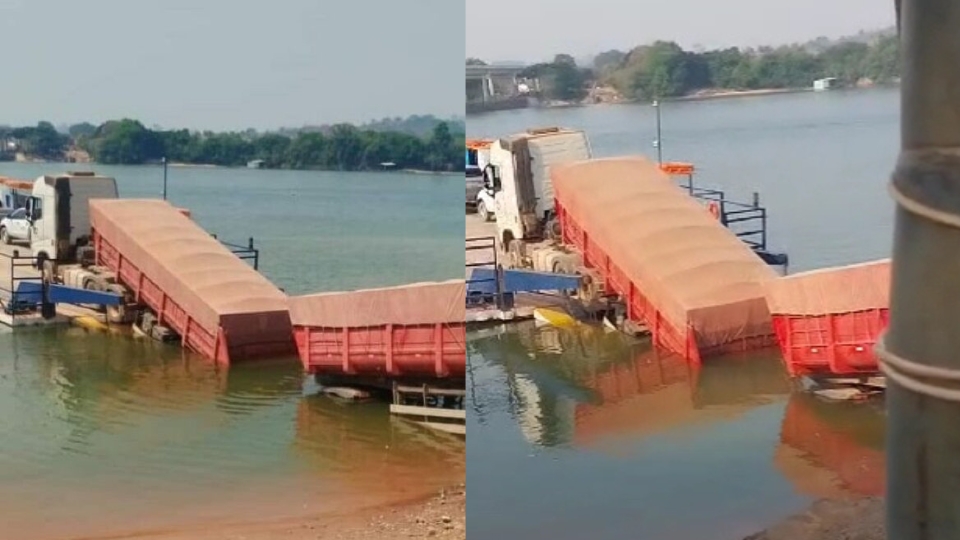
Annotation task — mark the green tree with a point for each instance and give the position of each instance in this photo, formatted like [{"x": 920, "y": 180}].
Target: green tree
[
  {"x": 608, "y": 60},
  {"x": 43, "y": 141},
  {"x": 126, "y": 142},
  {"x": 345, "y": 147},
  {"x": 83, "y": 129},
  {"x": 342, "y": 147},
  {"x": 664, "y": 69}
]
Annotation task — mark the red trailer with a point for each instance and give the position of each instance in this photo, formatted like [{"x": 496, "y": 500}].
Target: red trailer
[
  {"x": 695, "y": 285},
  {"x": 413, "y": 332},
  {"x": 827, "y": 321},
  {"x": 220, "y": 306}
]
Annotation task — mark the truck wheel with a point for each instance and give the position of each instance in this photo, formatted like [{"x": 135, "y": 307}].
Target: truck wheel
[
  {"x": 4, "y": 237},
  {"x": 516, "y": 253},
  {"x": 43, "y": 263},
  {"x": 118, "y": 314},
  {"x": 482, "y": 211}
]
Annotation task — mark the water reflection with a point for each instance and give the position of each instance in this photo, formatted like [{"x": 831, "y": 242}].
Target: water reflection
[
  {"x": 107, "y": 429},
  {"x": 833, "y": 449},
  {"x": 374, "y": 450},
  {"x": 580, "y": 430},
  {"x": 579, "y": 386}
]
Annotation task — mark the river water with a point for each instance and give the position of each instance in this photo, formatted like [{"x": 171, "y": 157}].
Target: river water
[
  {"x": 585, "y": 434},
  {"x": 103, "y": 434}
]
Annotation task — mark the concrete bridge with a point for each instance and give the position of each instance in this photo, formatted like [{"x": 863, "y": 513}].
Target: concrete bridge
[{"x": 492, "y": 84}]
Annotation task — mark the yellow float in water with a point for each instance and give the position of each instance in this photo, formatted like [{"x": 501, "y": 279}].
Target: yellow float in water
[
  {"x": 92, "y": 323},
  {"x": 553, "y": 317}
]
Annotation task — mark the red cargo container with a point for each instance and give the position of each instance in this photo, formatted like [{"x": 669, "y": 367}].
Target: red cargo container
[
  {"x": 695, "y": 284},
  {"x": 828, "y": 321},
  {"x": 410, "y": 332},
  {"x": 220, "y": 306}
]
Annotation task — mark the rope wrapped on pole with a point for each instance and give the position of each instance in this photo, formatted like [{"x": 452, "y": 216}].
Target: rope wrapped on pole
[{"x": 920, "y": 352}]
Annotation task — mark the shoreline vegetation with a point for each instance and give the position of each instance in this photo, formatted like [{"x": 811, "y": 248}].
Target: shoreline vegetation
[
  {"x": 700, "y": 95},
  {"x": 663, "y": 70},
  {"x": 420, "y": 144}
]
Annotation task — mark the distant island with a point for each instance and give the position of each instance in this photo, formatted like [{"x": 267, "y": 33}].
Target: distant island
[
  {"x": 420, "y": 143},
  {"x": 664, "y": 70}
]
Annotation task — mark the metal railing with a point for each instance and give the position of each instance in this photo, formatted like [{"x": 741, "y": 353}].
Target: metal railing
[
  {"x": 248, "y": 252},
  {"x": 13, "y": 301},
  {"x": 485, "y": 243},
  {"x": 748, "y": 221}
]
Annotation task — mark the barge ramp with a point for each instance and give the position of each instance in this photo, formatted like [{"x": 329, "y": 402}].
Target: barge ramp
[
  {"x": 220, "y": 306},
  {"x": 692, "y": 281}
]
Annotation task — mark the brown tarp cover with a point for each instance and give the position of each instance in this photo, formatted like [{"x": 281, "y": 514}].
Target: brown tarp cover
[
  {"x": 194, "y": 269},
  {"x": 690, "y": 267},
  {"x": 844, "y": 289},
  {"x": 418, "y": 303}
]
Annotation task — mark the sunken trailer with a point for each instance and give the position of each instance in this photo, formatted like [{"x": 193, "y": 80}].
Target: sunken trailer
[
  {"x": 413, "y": 334},
  {"x": 669, "y": 264},
  {"x": 189, "y": 282},
  {"x": 828, "y": 321}
]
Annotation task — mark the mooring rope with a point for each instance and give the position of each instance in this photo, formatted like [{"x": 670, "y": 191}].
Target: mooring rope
[
  {"x": 931, "y": 381},
  {"x": 923, "y": 210}
]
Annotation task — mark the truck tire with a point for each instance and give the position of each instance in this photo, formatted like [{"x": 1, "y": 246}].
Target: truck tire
[
  {"x": 482, "y": 211},
  {"x": 517, "y": 254},
  {"x": 117, "y": 314},
  {"x": 45, "y": 265}
]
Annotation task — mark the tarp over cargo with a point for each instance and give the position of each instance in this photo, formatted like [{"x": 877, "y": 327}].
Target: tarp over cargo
[
  {"x": 844, "y": 289},
  {"x": 695, "y": 271},
  {"x": 214, "y": 286},
  {"x": 415, "y": 304}
]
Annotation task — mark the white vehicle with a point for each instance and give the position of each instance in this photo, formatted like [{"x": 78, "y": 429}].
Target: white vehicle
[
  {"x": 15, "y": 227},
  {"x": 519, "y": 173},
  {"x": 58, "y": 211}
]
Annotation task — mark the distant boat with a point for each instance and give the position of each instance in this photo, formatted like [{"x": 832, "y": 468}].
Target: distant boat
[
  {"x": 827, "y": 83},
  {"x": 255, "y": 164},
  {"x": 387, "y": 165}
]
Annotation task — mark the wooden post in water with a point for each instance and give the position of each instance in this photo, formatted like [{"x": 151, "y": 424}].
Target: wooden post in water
[{"x": 921, "y": 351}]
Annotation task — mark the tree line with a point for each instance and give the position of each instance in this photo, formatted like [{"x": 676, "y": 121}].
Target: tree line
[
  {"x": 343, "y": 147},
  {"x": 663, "y": 69}
]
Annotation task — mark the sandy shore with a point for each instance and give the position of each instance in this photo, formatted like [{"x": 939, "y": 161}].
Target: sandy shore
[
  {"x": 718, "y": 94},
  {"x": 831, "y": 519},
  {"x": 442, "y": 516}
]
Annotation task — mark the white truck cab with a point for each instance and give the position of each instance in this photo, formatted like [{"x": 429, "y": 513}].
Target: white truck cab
[
  {"x": 519, "y": 175},
  {"x": 58, "y": 211}
]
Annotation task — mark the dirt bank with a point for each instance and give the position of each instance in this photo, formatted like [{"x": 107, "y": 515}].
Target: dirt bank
[
  {"x": 831, "y": 519},
  {"x": 441, "y": 517}
]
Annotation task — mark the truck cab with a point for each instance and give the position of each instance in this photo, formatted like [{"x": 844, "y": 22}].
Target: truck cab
[
  {"x": 58, "y": 211},
  {"x": 519, "y": 176}
]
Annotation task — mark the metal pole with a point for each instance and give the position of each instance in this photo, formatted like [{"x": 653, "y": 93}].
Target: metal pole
[
  {"x": 164, "y": 161},
  {"x": 659, "y": 141},
  {"x": 923, "y": 442}
]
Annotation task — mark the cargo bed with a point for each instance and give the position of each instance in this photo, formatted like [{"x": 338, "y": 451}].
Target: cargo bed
[
  {"x": 221, "y": 307},
  {"x": 413, "y": 332},
  {"x": 828, "y": 321},
  {"x": 694, "y": 284}
]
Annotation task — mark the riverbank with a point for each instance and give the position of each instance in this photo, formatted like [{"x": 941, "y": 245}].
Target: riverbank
[
  {"x": 441, "y": 516},
  {"x": 721, "y": 93},
  {"x": 826, "y": 519}
]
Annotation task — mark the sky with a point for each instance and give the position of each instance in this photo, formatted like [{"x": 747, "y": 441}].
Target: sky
[
  {"x": 229, "y": 64},
  {"x": 536, "y": 30}
]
